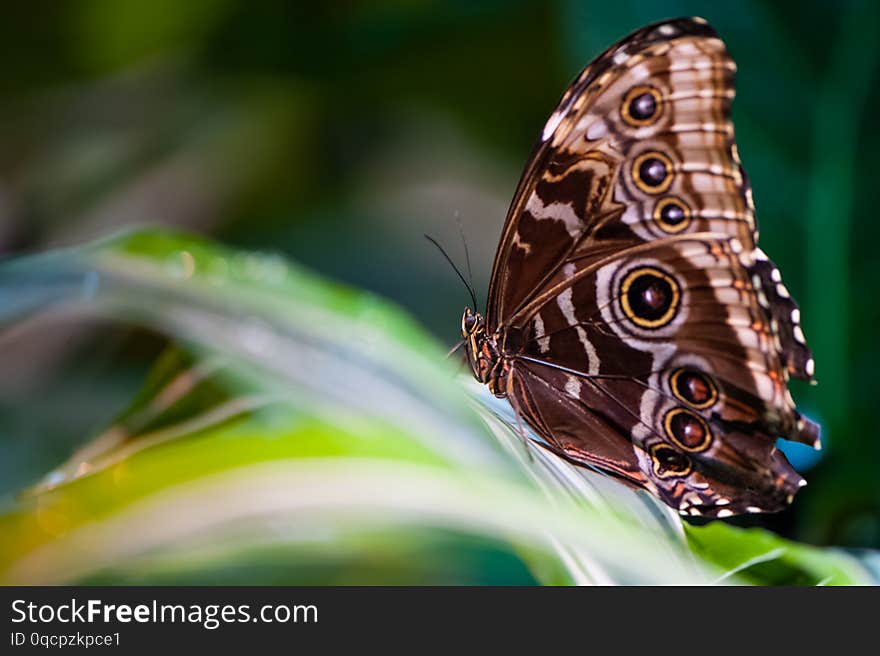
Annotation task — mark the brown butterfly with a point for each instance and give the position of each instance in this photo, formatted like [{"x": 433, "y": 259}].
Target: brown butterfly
[{"x": 631, "y": 319}]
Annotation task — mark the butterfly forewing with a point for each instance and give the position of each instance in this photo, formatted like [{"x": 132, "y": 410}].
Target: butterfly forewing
[
  {"x": 576, "y": 193},
  {"x": 641, "y": 330}
]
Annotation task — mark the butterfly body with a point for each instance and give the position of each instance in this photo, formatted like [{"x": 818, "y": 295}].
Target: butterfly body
[
  {"x": 631, "y": 320},
  {"x": 484, "y": 354}
]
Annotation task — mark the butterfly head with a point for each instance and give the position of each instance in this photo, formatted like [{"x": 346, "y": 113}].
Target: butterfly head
[{"x": 471, "y": 322}]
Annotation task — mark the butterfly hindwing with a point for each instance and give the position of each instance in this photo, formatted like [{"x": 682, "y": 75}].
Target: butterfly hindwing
[
  {"x": 562, "y": 420},
  {"x": 669, "y": 347}
]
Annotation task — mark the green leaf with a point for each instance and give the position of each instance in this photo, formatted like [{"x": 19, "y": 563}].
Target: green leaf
[{"x": 762, "y": 558}]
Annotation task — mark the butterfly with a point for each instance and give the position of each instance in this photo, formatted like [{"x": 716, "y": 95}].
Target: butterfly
[{"x": 632, "y": 320}]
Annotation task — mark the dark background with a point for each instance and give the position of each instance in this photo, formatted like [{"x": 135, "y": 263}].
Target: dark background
[{"x": 338, "y": 133}]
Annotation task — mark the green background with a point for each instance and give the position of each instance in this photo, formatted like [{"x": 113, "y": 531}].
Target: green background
[{"x": 337, "y": 135}]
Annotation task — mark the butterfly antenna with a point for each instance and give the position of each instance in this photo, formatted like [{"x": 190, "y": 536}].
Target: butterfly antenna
[
  {"x": 467, "y": 255},
  {"x": 454, "y": 268}
]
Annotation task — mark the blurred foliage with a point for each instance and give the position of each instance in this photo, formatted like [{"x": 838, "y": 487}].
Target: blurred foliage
[{"x": 338, "y": 133}]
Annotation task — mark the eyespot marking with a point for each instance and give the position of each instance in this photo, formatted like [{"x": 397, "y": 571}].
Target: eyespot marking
[
  {"x": 652, "y": 172},
  {"x": 668, "y": 462},
  {"x": 642, "y": 105},
  {"x": 649, "y": 297},
  {"x": 694, "y": 388},
  {"x": 672, "y": 214},
  {"x": 687, "y": 430}
]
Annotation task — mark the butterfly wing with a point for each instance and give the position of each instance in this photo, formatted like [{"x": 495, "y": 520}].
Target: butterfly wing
[
  {"x": 635, "y": 197},
  {"x": 668, "y": 346},
  {"x": 574, "y": 190}
]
